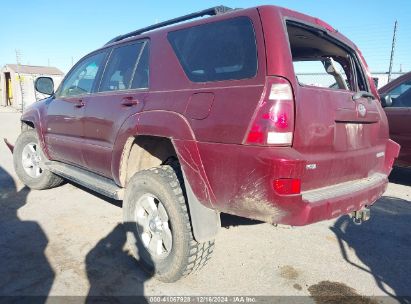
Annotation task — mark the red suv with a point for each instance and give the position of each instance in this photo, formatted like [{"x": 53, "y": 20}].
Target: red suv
[
  {"x": 396, "y": 100},
  {"x": 184, "y": 121}
]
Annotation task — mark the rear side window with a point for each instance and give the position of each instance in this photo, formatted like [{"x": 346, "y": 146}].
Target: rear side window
[
  {"x": 141, "y": 76},
  {"x": 121, "y": 67},
  {"x": 224, "y": 50},
  {"x": 321, "y": 61}
]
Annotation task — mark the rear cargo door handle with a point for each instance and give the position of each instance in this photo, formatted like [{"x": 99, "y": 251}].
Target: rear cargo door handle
[
  {"x": 129, "y": 101},
  {"x": 79, "y": 103}
]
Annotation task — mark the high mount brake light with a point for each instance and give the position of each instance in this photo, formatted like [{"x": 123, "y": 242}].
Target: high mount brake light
[{"x": 273, "y": 123}]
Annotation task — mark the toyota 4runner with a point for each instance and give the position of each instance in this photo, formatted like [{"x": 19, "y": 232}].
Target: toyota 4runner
[{"x": 184, "y": 120}]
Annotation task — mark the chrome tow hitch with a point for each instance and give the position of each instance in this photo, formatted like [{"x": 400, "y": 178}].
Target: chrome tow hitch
[{"x": 360, "y": 216}]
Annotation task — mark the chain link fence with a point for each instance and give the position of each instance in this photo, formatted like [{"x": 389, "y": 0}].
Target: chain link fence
[{"x": 326, "y": 80}]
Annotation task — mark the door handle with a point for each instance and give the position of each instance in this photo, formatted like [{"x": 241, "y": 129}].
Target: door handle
[
  {"x": 80, "y": 103},
  {"x": 129, "y": 101}
]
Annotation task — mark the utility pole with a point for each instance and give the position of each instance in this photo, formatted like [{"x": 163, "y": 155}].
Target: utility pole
[
  {"x": 18, "y": 57},
  {"x": 18, "y": 61},
  {"x": 392, "y": 50}
]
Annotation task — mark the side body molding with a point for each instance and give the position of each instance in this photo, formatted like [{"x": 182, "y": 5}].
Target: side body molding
[{"x": 205, "y": 220}]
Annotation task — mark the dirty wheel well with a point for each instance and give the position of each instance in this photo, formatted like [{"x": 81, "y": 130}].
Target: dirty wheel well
[
  {"x": 26, "y": 125},
  {"x": 144, "y": 152}
]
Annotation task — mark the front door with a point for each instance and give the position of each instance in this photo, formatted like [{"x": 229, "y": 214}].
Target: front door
[
  {"x": 121, "y": 93},
  {"x": 64, "y": 120}
]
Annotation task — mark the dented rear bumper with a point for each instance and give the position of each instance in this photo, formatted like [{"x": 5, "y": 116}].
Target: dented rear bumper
[
  {"x": 241, "y": 178},
  {"x": 333, "y": 201}
]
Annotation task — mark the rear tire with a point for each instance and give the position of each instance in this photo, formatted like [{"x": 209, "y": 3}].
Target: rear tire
[
  {"x": 175, "y": 258},
  {"x": 28, "y": 158}
]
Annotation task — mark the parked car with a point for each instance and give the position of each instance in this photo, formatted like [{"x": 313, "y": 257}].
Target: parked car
[
  {"x": 184, "y": 121},
  {"x": 396, "y": 99}
]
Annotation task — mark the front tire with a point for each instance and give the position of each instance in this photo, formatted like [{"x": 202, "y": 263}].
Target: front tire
[
  {"x": 158, "y": 225},
  {"x": 28, "y": 159}
]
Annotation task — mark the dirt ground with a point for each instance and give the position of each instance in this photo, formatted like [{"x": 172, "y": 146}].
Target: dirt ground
[{"x": 69, "y": 241}]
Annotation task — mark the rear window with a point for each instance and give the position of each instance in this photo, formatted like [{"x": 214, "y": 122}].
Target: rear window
[
  {"x": 312, "y": 73},
  {"x": 321, "y": 61},
  {"x": 224, "y": 50}
]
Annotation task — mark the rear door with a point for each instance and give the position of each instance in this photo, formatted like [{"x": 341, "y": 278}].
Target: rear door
[
  {"x": 64, "y": 119},
  {"x": 338, "y": 123},
  {"x": 121, "y": 93},
  {"x": 399, "y": 118}
]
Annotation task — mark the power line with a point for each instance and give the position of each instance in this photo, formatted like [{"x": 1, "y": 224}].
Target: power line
[{"x": 392, "y": 51}]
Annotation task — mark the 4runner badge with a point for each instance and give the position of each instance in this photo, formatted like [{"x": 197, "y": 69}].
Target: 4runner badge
[{"x": 361, "y": 110}]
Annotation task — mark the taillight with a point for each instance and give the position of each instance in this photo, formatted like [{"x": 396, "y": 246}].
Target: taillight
[
  {"x": 285, "y": 186},
  {"x": 273, "y": 123}
]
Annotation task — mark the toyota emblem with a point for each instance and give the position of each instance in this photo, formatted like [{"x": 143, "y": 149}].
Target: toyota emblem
[{"x": 361, "y": 110}]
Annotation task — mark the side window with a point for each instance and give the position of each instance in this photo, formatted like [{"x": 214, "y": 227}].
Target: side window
[
  {"x": 224, "y": 50},
  {"x": 141, "y": 76},
  {"x": 401, "y": 95},
  {"x": 81, "y": 80},
  {"x": 120, "y": 67}
]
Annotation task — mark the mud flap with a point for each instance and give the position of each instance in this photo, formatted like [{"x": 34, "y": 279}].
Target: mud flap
[
  {"x": 9, "y": 145},
  {"x": 205, "y": 221}
]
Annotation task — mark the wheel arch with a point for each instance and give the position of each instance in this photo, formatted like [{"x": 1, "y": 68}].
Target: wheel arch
[
  {"x": 142, "y": 144},
  {"x": 30, "y": 119}
]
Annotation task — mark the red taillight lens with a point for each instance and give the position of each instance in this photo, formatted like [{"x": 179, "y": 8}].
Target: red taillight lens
[
  {"x": 273, "y": 123},
  {"x": 286, "y": 186}
]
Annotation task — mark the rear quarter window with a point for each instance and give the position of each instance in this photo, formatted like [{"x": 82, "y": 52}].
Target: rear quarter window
[{"x": 224, "y": 50}]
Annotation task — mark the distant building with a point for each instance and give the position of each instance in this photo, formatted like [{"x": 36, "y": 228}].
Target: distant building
[
  {"x": 382, "y": 78},
  {"x": 17, "y": 84}
]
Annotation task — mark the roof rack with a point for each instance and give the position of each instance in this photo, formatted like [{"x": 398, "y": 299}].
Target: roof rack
[{"x": 217, "y": 10}]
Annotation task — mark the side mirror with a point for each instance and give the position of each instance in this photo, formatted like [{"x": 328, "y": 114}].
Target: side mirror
[
  {"x": 44, "y": 85},
  {"x": 386, "y": 101}
]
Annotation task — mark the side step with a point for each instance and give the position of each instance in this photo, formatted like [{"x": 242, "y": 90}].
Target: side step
[{"x": 95, "y": 182}]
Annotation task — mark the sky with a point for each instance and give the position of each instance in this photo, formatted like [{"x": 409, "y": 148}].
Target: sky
[{"x": 59, "y": 33}]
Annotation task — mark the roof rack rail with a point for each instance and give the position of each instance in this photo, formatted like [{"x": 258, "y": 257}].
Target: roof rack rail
[{"x": 217, "y": 10}]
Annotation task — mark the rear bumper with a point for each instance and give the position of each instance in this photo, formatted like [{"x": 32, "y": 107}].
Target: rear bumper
[
  {"x": 333, "y": 201},
  {"x": 342, "y": 198},
  {"x": 241, "y": 179}
]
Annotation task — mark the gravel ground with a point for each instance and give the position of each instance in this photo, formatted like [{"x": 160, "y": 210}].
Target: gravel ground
[{"x": 69, "y": 241}]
